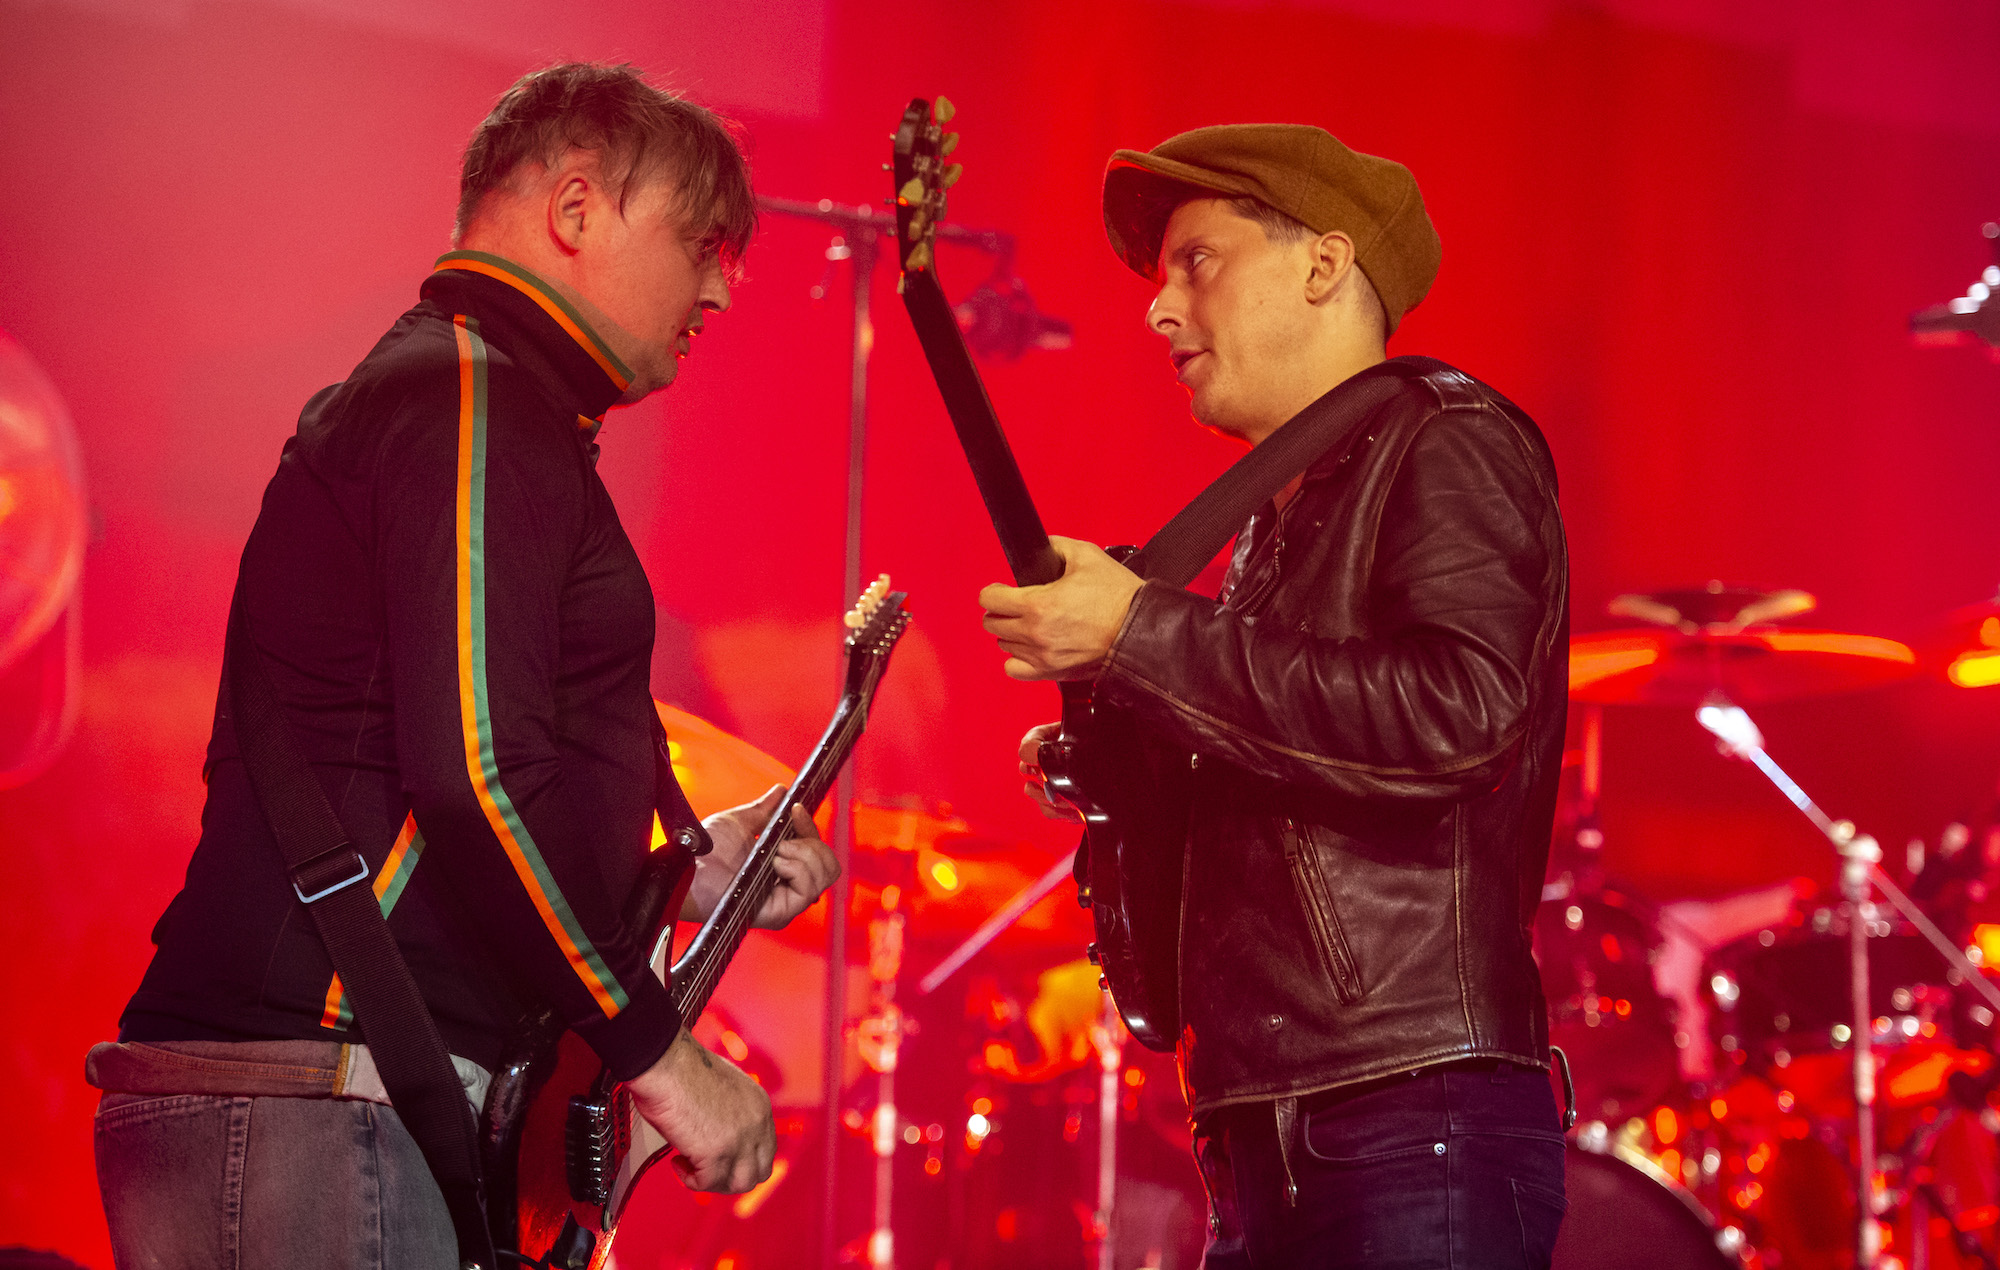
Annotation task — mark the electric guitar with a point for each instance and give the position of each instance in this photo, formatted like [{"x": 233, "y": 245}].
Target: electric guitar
[
  {"x": 1129, "y": 866},
  {"x": 561, "y": 1145}
]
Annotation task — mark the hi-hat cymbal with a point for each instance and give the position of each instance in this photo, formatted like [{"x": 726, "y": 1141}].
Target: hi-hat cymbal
[{"x": 1665, "y": 667}]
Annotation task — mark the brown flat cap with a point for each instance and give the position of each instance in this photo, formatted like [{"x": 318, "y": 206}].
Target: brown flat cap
[{"x": 1302, "y": 171}]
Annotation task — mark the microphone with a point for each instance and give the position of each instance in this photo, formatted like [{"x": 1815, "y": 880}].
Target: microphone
[
  {"x": 1971, "y": 318},
  {"x": 1000, "y": 320}
]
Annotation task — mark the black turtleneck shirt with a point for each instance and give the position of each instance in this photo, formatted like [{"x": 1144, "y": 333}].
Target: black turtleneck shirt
[{"x": 460, "y": 632}]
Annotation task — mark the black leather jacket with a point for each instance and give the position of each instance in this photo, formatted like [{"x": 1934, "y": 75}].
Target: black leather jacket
[{"x": 1373, "y": 718}]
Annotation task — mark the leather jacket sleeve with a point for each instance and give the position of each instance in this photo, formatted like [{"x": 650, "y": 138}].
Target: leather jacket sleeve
[{"x": 1425, "y": 694}]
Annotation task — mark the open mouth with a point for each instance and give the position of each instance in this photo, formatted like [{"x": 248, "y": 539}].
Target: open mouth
[{"x": 1182, "y": 359}]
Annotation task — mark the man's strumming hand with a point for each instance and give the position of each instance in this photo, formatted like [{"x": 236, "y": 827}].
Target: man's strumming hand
[
  {"x": 1037, "y": 785},
  {"x": 718, "y": 1119},
  {"x": 1062, "y": 630}
]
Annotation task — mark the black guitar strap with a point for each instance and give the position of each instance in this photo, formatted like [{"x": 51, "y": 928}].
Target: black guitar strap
[
  {"x": 331, "y": 879},
  {"x": 1184, "y": 545}
]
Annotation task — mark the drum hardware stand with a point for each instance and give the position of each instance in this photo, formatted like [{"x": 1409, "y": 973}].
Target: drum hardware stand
[
  {"x": 1860, "y": 870},
  {"x": 880, "y": 1040},
  {"x": 1581, "y": 869},
  {"x": 1109, "y": 1039},
  {"x": 860, "y": 229}
]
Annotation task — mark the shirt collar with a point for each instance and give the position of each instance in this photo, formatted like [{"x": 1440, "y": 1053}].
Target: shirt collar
[{"x": 594, "y": 370}]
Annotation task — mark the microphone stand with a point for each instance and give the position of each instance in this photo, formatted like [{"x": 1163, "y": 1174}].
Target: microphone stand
[
  {"x": 858, "y": 242},
  {"x": 1860, "y": 870}
]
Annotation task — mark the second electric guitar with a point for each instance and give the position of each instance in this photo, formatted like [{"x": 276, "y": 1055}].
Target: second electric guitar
[{"x": 1129, "y": 867}]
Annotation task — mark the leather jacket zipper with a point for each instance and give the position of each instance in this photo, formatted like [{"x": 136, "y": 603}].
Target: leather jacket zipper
[
  {"x": 1269, "y": 580},
  {"x": 1316, "y": 901}
]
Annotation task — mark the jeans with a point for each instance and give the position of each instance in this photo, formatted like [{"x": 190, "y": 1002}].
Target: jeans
[
  {"x": 1454, "y": 1168},
  {"x": 207, "y": 1181}
]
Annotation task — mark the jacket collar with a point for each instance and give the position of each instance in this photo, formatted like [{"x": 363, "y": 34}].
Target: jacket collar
[{"x": 531, "y": 321}]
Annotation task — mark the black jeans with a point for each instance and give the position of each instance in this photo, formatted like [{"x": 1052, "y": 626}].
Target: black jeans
[{"x": 1455, "y": 1167}]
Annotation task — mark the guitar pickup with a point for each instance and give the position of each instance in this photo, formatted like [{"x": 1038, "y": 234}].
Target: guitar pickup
[{"x": 590, "y": 1138}]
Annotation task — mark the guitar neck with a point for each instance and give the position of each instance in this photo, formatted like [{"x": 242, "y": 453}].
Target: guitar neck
[
  {"x": 695, "y": 975},
  {"x": 1030, "y": 555}
]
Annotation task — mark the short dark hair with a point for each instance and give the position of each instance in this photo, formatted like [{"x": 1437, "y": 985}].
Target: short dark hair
[
  {"x": 637, "y": 131},
  {"x": 1277, "y": 226},
  {"x": 1280, "y": 228}
]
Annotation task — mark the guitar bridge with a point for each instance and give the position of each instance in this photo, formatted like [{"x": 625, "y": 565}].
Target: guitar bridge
[{"x": 590, "y": 1139}]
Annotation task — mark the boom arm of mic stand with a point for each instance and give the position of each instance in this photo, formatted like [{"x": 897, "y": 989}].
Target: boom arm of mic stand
[
  {"x": 990, "y": 929},
  {"x": 1732, "y": 727}
]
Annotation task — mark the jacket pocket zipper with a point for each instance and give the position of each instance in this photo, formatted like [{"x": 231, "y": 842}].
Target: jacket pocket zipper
[{"x": 1317, "y": 903}]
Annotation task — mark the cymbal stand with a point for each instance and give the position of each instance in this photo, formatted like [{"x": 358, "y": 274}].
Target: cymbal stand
[
  {"x": 1861, "y": 871},
  {"x": 881, "y": 1041},
  {"x": 857, "y": 241},
  {"x": 1108, "y": 1036}
]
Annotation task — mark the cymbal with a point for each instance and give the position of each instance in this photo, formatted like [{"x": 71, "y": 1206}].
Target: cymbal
[
  {"x": 947, "y": 877},
  {"x": 716, "y": 770},
  {"x": 1966, "y": 646},
  {"x": 1714, "y": 606},
  {"x": 1670, "y": 667}
]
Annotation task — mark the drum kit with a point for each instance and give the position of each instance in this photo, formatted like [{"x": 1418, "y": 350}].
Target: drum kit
[
  {"x": 1728, "y": 1090},
  {"x": 1765, "y": 1083}
]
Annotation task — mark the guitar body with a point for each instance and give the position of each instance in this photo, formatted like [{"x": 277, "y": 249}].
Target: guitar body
[
  {"x": 561, "y": 1143},
  {"x": 529, "y": 1200},
  {"x": 1121, "y": 784},
  {"x": 1131, "y": 863}
]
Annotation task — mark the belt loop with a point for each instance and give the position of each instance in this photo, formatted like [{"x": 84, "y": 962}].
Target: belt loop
[
  {"x": 1569, "y": 1087},
  {"x": 1287, "y": 1112}
]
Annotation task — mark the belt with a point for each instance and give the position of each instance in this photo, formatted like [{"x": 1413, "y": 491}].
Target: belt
[{"x": 254, "y": 1069}]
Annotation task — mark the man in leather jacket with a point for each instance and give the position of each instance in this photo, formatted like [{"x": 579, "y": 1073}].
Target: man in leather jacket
[{"x": 1370, "y": 715}]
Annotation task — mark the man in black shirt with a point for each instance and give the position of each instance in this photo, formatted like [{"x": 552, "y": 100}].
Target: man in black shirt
[{"x": 459, "y": 632}]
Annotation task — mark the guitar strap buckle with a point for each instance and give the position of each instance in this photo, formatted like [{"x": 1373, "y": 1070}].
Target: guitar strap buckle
[{"x": 334, "y": 869}]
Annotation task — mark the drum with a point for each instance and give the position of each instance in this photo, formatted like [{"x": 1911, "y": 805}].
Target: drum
[
  {"x": 1625, "y": 1213},
  {"x": 1780, "y": 1011},
  {"x": 1595, "y": 955}
]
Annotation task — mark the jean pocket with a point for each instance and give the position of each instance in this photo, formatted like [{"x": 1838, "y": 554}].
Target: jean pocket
[
  {"x": 118, "y": 1111},
  {"x": 1540, "y": 1212},
  {"x": 1392, "y": 1123}
]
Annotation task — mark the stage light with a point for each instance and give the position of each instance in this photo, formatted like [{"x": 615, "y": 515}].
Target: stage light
[{"x": 1980, "y": 669}]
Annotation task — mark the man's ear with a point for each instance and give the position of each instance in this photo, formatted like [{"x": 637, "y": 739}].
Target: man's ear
[
  {"x": 569, "y": 209},
  {"x": 1332, "y": 257}
]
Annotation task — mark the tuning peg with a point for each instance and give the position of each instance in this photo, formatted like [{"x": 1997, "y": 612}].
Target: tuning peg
[
  {"x": 919, "y": 257},
  {"x": 888, "y": 168},
  {"x": 949, "y": 143},
  {"x": 912, "y": 191},
  {"x": 952, "y": 171},
  {"x": 944, "y": 110}
]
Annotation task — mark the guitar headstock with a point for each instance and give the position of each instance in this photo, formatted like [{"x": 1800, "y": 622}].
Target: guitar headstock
[
  {"x": 874, "y": 624},
  {"x": 922, "y": 176}
]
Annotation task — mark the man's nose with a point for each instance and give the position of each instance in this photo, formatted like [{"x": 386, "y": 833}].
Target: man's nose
[
  {"x": 715, "y": 289},
  {"x": 1164, "y": 314}
]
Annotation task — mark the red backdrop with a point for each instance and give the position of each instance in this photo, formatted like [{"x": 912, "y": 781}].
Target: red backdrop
[{"x": 1685, "y": 238}]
